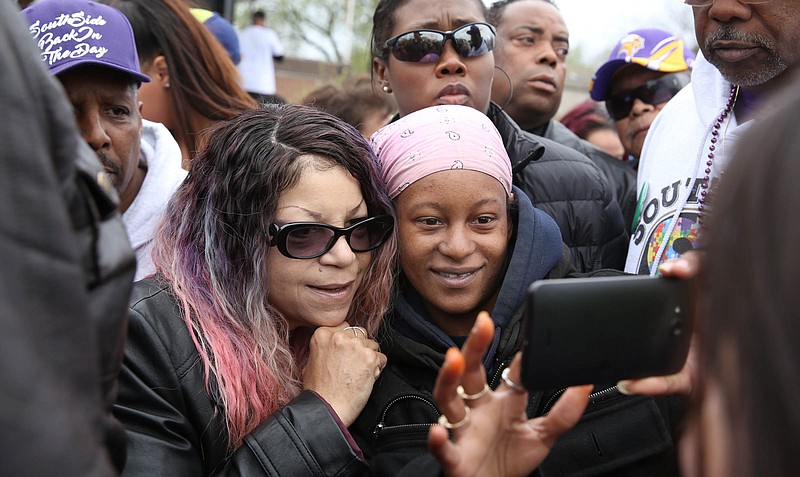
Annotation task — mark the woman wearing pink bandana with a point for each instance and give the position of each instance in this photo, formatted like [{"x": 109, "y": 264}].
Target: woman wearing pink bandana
[{"x": 471, "y": 242}]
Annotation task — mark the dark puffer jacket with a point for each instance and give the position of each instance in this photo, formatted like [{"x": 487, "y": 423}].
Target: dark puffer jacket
[
  {"x": 620, "y": 175},
  {"x": 572, "y": 190}
]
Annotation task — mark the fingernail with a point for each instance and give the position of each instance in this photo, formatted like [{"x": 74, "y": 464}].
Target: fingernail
[
  {"x": 622, "y": 386},
  {"x": 665, "y": 267}
]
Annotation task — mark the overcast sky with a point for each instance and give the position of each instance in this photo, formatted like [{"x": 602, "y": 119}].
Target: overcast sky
[{"x": 596, "y": 25}]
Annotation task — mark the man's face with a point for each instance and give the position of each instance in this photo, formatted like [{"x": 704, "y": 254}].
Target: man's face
[
  {"x": 750, "y": 44},
  {"x": 532, "y": 46},
  {"x": 108, "y": 117},
  {"x": 633, "y": 128}
]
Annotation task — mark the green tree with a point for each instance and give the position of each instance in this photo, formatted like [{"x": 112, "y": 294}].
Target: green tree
[{"x": 336, "y": 31}]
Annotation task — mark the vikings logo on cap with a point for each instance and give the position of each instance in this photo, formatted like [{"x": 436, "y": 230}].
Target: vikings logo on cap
[
  {"x": 630, "y": 45},
  {"x": 654, "y": 49}
]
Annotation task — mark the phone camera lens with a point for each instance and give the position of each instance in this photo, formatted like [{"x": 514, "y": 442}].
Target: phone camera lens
[{"x": 676, "y": 327}]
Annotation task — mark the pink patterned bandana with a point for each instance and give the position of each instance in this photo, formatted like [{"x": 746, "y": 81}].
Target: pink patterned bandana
[{"x": 439, "y": 138}]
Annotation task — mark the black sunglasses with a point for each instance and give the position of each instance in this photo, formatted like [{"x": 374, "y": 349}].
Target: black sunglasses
[
  {"x": 426, "y": 46},
  {"x": 311, "y": 240},
  {"x": 654, "y": 92}
]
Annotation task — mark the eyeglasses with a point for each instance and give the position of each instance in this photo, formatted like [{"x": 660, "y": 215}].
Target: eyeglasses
[
  {"x": 653, "y": 92},
  {"x": 426, "y": 46},
  {"x": 311, "y": 240},
  {"x": 705, "y": 3}
]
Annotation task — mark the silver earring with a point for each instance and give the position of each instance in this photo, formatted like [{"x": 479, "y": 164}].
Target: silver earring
[
  {"x": 386, "y": 89},
  {"x": 166, "y": 85}
]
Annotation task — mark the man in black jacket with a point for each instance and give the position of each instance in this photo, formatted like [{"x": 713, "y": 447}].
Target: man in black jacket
[
  {"x": 570, "y": 189},
  {"x": 530, "y": 53}
]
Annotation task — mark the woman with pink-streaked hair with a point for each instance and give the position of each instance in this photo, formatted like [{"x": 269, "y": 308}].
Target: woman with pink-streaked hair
[{"x": 250, "y": 352}]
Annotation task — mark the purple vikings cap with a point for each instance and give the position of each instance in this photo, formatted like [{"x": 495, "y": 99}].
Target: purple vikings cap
[
  {"x": 73, "y": 33},
  {"x": 651, "y": 48}
]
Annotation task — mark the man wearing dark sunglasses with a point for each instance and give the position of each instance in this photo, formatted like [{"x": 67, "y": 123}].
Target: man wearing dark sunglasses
[{"x": 644, "y": 71}]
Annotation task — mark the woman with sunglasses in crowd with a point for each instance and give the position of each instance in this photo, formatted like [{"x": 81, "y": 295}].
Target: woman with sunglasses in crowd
[
  {"x": 470, "y": 241},
  {"x": 250, "y": 351},
  {"x": 429, "y": 53}
]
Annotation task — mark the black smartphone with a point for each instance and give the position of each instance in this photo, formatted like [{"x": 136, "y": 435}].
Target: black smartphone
[{"x": 601, "y": 330}]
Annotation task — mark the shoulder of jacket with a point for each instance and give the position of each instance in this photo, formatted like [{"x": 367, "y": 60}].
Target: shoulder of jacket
[{"x": 153, "y": 306}]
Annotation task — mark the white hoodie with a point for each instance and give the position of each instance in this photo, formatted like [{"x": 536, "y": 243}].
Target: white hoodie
[
  {"x": 162, "y": 158},
  {"x": 673, "y": 166}
]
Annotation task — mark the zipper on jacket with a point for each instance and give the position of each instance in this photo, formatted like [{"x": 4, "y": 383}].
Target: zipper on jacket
[
  {"x": 381, "y": 426},
  {"x": 496, "y": 376},
  {"x": 592, "y": 397}
]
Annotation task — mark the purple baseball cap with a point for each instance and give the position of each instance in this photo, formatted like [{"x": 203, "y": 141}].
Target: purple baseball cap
[
  {"x": 654, "y": 49},
  {"x": 73, "y": 33}
]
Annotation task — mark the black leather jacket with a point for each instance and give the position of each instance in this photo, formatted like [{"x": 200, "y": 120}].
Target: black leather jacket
[
  {"x": 175, "y": 426},
  {"x": 620, "y": 174},
  {"x": 572, "y": 190}
]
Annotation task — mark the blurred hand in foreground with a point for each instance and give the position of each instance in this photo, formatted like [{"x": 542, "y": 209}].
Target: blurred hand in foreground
[{"x": 492, "y": 435}]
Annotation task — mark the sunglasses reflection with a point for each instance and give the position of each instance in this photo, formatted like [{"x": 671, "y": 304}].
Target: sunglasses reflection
[{"x": 426, "y": 46}]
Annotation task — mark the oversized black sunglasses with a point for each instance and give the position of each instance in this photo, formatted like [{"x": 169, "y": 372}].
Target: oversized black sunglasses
[
  {"x": 654, "y": 92},
  {"x": 311, "y": 240},
  {"x": 426, "y": 46}
]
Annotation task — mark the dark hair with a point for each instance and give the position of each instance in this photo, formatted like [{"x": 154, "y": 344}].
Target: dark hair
[
  {"x": 354, "y": 102},
  {"x": 750, "y": 334},
  {"x": 202, "y": 76},
  {"x": 212, "y": 245},
  {"x": 259, "y": 15},
  {"x": 383, "y": 23},
  {"x": 587, "y": 117},
  {"x": 495, "y": 12}
]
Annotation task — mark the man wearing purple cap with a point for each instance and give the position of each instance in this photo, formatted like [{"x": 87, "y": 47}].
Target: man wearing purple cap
[
  {"x": 643, "y": 72},
  {"x": 90, "y": 48},
  {"x": 749, "y": 51}
]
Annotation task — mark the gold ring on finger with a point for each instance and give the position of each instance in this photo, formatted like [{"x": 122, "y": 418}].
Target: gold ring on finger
[
  {"x": 356, "y": 331},
  {"x": 471, "y": 397},
  {"x": 516, "y": 387},
  {"x": 454, "y": 425}
]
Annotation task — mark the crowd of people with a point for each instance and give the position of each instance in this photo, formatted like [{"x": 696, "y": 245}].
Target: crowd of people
[{"x": 178, "y": 300}]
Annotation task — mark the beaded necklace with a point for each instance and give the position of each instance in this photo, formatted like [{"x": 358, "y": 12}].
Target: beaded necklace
[{"x": 715, "y": 137}]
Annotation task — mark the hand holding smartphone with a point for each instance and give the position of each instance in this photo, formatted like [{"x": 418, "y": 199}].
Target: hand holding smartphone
[{"x": 601, "y": 330}]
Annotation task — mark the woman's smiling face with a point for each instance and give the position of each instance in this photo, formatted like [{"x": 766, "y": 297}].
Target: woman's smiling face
[
  {"x": 450, "y": 80},
  {"x": 453, "y": 244},
  {"x": 318, "y": 292}
]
